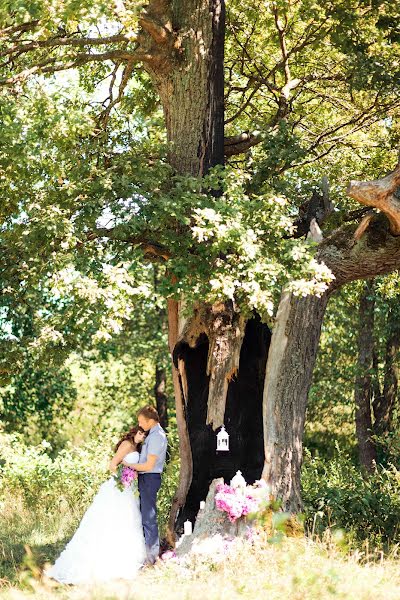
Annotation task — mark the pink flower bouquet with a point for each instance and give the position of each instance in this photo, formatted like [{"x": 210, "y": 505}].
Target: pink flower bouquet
[
  {"x": 239, "y": 502},
  {"x": 125, "y": 478}
]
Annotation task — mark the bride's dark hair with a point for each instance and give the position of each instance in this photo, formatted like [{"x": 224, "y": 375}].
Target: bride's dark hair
[{"x": 130, "y": 437}]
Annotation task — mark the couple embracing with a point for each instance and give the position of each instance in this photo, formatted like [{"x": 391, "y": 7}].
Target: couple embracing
[{"x": 118, "y": 534}]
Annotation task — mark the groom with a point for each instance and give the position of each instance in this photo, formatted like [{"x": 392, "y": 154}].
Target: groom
[{"x": 150, "y": 467}]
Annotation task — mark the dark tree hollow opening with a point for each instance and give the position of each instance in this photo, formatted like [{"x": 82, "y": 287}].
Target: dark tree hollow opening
[{"x": 243, "y": 415}]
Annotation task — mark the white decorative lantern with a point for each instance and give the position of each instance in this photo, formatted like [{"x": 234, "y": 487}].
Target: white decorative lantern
[
  {"x": 223, "y": 440},
  {"x": 238, "y": 481},
  {"x": 187, "y": 528}
]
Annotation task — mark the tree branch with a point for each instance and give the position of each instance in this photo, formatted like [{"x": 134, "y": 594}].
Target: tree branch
[
  {"x": 238, "y": 144},
  {"x": 52, "y": 65},
  {"x": 150, "y": 248},
  {"x": 382, "y": 194},
  {"x": 65, "y": 41},
  {"x": 377, "y": 252},
  {"x": 159, "y": 33}
]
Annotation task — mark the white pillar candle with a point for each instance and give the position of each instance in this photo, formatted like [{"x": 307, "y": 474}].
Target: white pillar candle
[
  {"x": 187, "y": 528},
  {"x": 202, "y": 505}
]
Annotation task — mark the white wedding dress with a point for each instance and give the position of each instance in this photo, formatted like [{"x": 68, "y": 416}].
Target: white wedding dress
[{"x": 109, "y": 542}]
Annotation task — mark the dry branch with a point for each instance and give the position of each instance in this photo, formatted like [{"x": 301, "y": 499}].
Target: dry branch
[{"x": 382, "y": 194}]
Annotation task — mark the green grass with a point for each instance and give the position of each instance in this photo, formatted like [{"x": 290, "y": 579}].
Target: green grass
[{"x": 295, "y": 569}]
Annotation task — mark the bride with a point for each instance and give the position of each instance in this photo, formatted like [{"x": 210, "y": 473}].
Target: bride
[{"x": 109, "y": 542}]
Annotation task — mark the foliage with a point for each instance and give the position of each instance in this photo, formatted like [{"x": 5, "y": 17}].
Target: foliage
[
  {"x": 89, "y": 183},
  {"x": 110, "y": 391},
  {"x": 330, "y": 409},
  {"x": 37, "y": 402},
  {"x": 339, "y": 497},
  {"x": 71, "y": 479}
]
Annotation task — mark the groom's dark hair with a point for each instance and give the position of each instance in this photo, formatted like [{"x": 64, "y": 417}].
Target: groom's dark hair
[{"x": 149, "y": 412}]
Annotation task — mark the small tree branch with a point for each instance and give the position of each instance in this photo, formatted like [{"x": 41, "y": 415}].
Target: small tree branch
[
  {"x": 65, "y": 41},
  {"x": 238, "y": 144},
  {"x": 158, "y": 32},
  {"x": 150, "y": 249},
  {"x": 7, "y": 31},
  {"x": 127, "y": 72},
  {"x": 52, "y": 65},
  {"x": 363, "y": 226}
]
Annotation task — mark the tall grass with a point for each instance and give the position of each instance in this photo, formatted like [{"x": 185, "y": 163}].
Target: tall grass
[
  {"x": 42, "y": 501},
  {"x": 294, "y": 569}
]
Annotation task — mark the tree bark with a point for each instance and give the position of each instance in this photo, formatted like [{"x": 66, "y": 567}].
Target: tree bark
[
  {"x": 288, "y": 378},
  {"x": 207, "y": 347},
  {"x": 383, "y": 408},
  {"x": 377, "y": 252},
  {"x": 185, "y": 452},
  {"x": 190, "y": 84},
  {"x": 161, "y": 397},
  {"x": 363, "y": 383}
]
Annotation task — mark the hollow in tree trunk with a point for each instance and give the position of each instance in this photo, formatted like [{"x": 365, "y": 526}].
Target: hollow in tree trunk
[{"x": 219, "y": 359}]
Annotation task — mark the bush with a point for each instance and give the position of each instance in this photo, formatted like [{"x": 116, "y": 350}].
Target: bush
[
  {"x": 72, "y": 478},
  {"x": 37, "y": 402},
  {"x": 337, "y": 496}
]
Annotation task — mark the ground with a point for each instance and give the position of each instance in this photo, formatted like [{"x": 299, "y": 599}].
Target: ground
[{"x": 294, "y": 569}]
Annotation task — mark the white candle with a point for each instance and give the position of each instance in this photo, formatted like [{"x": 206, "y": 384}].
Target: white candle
[
  {"x": 202, "y": 505},
  {"x": 187, "y": 528}
]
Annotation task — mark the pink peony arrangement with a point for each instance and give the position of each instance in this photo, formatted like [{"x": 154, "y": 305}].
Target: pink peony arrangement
[
  {"x": 241, "y": 501},
  {"x": 125, "y": 478}
]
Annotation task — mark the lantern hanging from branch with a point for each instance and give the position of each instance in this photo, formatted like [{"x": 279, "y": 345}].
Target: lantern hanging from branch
[{"x": 223, "y": 440}]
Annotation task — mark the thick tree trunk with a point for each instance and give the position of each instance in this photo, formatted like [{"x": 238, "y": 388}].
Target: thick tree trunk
[
  {"x": 206, "y": 348},
  {"x": 219, "y": 360},
  {"x": 363, "y": 382},
  {"x": 190, "y": 83},
  {"x": 288, "y": 377}
]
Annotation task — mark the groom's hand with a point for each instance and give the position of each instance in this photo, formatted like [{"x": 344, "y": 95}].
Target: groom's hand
[{"x": 146, "y": 466}]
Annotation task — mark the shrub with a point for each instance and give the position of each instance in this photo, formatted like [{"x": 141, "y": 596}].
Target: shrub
[
  {"x": 71, "y": 478},
  {"x": 337, "y": 495}
]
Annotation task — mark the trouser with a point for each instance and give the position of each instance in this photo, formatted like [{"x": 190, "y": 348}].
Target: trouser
[{"x": 149, "y": 484}]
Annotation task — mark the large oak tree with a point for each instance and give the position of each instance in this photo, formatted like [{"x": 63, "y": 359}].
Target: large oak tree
[{"x": 282, "y": 93}]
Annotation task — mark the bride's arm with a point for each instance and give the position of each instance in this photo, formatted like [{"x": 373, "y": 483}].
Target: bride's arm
[{"x": 122, "y": 451}]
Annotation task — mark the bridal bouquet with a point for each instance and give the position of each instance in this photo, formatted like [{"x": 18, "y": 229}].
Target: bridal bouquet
[{"x": 126, "y": 477}]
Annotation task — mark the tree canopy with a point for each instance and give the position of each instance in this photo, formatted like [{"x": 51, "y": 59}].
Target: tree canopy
[{"x": 310, "y": 90}]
